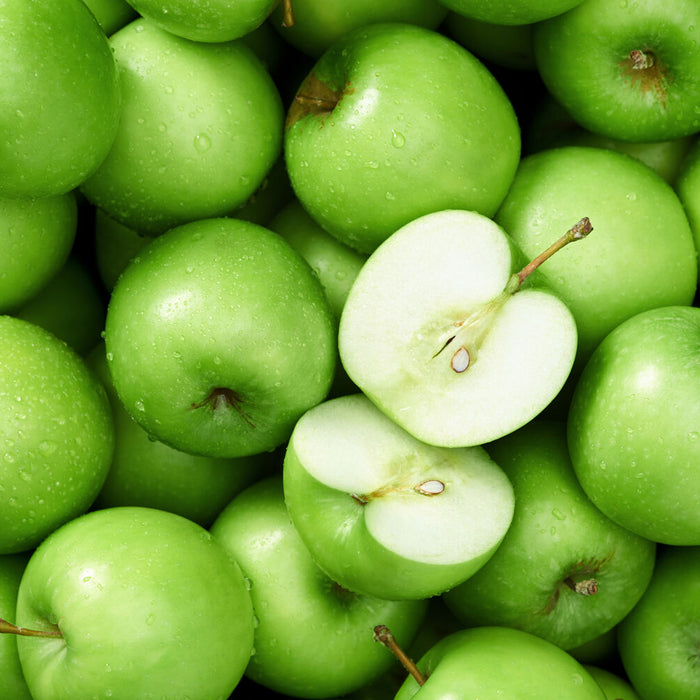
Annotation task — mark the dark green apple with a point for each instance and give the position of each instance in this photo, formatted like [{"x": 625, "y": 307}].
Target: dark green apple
[
  {"x": 219, "y": 337},
  {"x": 61, "y": 100},
  {"x": 634, "y": 425},
  {"x": 688, "y": 188},
  {"x": 659, "y": 640},
  {"x": 111, "y": 14}
]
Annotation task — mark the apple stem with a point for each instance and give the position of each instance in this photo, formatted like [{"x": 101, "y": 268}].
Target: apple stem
[
  {"x": 8, "y": 628},
  {"x": 287, "y": 13},
  {"x": 383, "y": 634},
  {"x": 588, "y": 586},
  {"x": 578, "y": 231}
]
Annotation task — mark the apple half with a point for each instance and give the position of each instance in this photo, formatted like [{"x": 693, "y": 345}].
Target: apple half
[
  {"x": 384, "y": 514},
  {"x": 436, "y": 334}
]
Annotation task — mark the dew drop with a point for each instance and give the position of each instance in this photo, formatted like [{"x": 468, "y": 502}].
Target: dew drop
[
  {"x": 202, "y": 143},
  {"x": 398, "y": 140}
]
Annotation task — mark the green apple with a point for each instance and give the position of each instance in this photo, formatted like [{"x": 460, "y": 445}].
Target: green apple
[
  {"x": 688, "y": 188},
  {"x": 12, "y": 683},
  {"x": 141, "y": 604},
  {"x": 57, "y": 73},
  {"x": 564, "y": 571},
  {"x": 201, "y": 127},
  {"x": 56, "y": 434},
  {"x": 628, "y": 70},
  {"x": 395, "y": 121},
  {"x": 602, "y": 650},
  {"x": 634, "y": 425},
  {"x": 146, "y": 472},
  {"x": 659, "y": 640},
  {"x": 313, "y": 638},
  {"x": 70, "y": 305},
  {"x": 614, "y": 687},
  {"x": 494, "y": 662},
  {"x": 211, "y": 21},
  {"x": 642, "y": 255},
  {"x": 111, "y": 14},
  {"x": 219, "y": 337},
  {"x": 36, "y": 236},
  {"x": 510, "y": 12},
  {"x": 384, "y": 514},
  {"x": 318, "y": 24},
  {"x": 434, "y": 333}
]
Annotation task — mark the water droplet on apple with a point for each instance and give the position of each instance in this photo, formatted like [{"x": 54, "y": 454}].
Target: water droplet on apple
[
  {"x": 202, "y": 143},
  {"x": 632, "y": 196},
  {"x": 558, "y": 514},
  {"x": 150, "y": 619},
  {"x": 398, "y": 140},
  {"x": 389, "y": 196},
  {"x": 692, "y": 436}
]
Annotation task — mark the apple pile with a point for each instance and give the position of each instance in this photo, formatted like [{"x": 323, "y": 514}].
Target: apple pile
[{"x": 349, "y": 349}]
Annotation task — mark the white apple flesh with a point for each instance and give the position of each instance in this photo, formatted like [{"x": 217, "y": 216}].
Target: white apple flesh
[{"x": 433, "y": 337}]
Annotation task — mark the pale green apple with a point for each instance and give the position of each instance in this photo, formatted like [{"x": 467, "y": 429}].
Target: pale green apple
[
  {"x": 634, "y": 425},
  {"x": 614, "y": 687},
  {"x": 60, "y": 97},
  {"x": 314, "y": 639},
  {"x": 641, "y": 255},
  {"x": 146, "y": 604},
  {"x": 564, "y": 571},
  {"x": 395, "y": 121},
  {"x": 56, "y": 434},
  {"x": 384, "y": 514},
  {"x": 219, "y": 337}
]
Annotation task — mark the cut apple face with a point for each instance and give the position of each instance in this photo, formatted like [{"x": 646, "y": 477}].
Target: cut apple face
[
  {"x": 385, "y": 514},
  {"x": 441, "y": 334}
]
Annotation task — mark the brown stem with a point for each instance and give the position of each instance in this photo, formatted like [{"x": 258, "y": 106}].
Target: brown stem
[
  {"x": 383, "y": 634},
  {"x": 8, "y": 628},
  {"x": 312, "y": 103},
  {"x": 588, "y": 586},
  {"x": 641, "y": 60},
  {"x": 287, "y": 13}
]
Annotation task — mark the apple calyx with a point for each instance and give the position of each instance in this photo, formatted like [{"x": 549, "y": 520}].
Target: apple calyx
[
  {"x": 430, "y": 487},
  {"x": 472, "y": 330},
  {"x": 383, "y": 635},
  {"x": 643, "y": 69},
  {"x": 287, "y": 13},
  {"x": 587, "y": 586},
  {"x": 314, "y": 97},
  {"x": 221, "y": 398},
  {"x": 10, "y": 628}
]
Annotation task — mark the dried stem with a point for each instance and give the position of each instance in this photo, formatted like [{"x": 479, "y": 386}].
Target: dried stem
[
  {"x": 9, "y": 628},
  {"x": 383, "y": 634}
]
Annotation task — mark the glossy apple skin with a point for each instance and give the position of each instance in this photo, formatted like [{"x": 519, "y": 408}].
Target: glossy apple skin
[
  {"x": 149, "y": 605},
  {"x": 201, "y": 126},
  {"x": 659, "y": 639},
  {"x": 640, "y": 254},
  {"x": 219, "y": 303},
  {"x": 599, "y": 86},
  {"x": 633, "y": 425},
  {"x": 492, "y": 662},
  {"x": 414, "y": 106},
  {"x": 556, "y": 532},
  {"x": 510, "y": 12},
  {"x": 313, "y": 638},
  {"x": 56, "y": 431},
  {"x": 57, "y": 72},
  {"x": 36, "y": 236}
]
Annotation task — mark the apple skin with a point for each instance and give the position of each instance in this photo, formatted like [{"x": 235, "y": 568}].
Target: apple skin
[
  {"x": 57, "y": 435},
  {"x": 640, "y": 254},
  {"x": 492, "y": 662},
  {"x": 510, "y": 12},
  {"x": 219, "y": 305},
  {"x": 57, "y": 72},
  {"x": 12, "y": 683},
  {"x": 659, "y": 639},
  {"x": 36, "y": 236},
  {"x": 111, "y": 14},
  {"x": 411, "y": 106},
  {"x": 201, "y": 126},
  {"x": 688, "y": 188},
  {"x": 599, "y": 84},
  {"x": 633, "y": 425},
  {"x": 556, "y": 533},
  {"x": 614, "y": 687},
  {"x": 314, "y": 639},
  {"x": 149, "y": 605}
]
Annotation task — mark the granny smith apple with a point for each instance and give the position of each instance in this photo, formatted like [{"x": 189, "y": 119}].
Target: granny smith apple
[
  {"x": 435, "y": 333},
  {"x": 141, "y": 603},
  {"x": 201, "y": 126},
  {"x": 111, "y": 14},
  {"x": 564, "y": 571},
  {"x": 320, "y": 23},
  {"x": 688, "y": 188},
  {"x": 614, "y": 687},
  {"x": 659, "y": 641},
  {"x": 634, "y": 425},
  {"x": 642, "y": 254},
  {"x": 494, "y": 662},
  {"x": 313, "y": 638},
  {"x": 56, "y": 433},
  {"x": 61, "y": 99},
  {"x": 510, "y": 12},
  {"x": 36, "y": 236},
  {"x": 601, "y": 650},
  {"x": 637, "y": 78},
  {"x": 12, "y": 683},
  {"x": 219, "y": 337},
  {"x": 395, "y": 121},
  {"x": 384, "y": 514}
]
